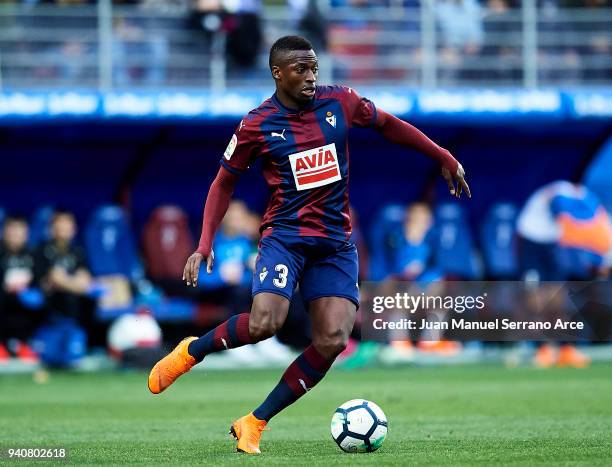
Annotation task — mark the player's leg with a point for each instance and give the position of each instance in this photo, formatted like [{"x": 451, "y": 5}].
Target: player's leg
[
  {"x": 332, "y": 321},
  {"x": 268, "y": 313},
  {"x": 276, "y": 272},
  {"x": 329, "y": 285}
]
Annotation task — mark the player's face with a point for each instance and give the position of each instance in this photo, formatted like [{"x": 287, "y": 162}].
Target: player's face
[{"x": 296, "y": 76}]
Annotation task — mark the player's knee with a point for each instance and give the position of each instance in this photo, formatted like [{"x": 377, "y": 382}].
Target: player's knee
[
  {"x": 331, "y": 344},
  {"x": 263, "y": 323}
]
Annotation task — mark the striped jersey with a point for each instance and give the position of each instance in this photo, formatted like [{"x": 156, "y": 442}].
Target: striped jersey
[{"x": 305, "y": 160}]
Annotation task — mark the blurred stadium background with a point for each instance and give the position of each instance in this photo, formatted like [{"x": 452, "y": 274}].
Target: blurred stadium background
[{"x": 118, "y": 111}]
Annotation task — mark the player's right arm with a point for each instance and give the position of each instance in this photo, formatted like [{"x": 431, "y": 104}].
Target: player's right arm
[{"x": 236, "y": 159}]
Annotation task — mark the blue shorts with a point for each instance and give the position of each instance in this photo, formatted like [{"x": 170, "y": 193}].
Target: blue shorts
[{"x": 323, "y": 267}]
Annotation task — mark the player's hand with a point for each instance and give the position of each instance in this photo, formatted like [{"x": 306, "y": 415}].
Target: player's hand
[
  {"x": 192, "y": 267},
  {"x": 459, "y": 177}
]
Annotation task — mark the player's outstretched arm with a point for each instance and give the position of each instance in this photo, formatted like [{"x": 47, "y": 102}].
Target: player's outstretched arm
[
  {"x": 217, "y": 202},
  {"x": 400, "y": 132}
]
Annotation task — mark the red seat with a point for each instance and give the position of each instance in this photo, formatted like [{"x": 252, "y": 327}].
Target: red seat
[{"x": 167, "y": 243}]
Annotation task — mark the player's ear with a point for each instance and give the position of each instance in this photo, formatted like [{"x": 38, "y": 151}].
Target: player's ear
[{"x": 276, "y": 72}]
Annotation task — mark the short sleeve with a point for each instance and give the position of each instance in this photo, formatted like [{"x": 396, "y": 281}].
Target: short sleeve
[
  {"x": 241, "y": 149},
  {"x": 361, "y": 111}
]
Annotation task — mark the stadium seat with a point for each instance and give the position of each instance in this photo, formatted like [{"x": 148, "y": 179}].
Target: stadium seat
[
  {"x": 110, "y": 244},
  {"x": 167, "y": 243},
  {"x": 454, "y": 249},
  {"x": 498, "y": 241},
  {"x": 386, "y": 225},
  {"x": 39, "y": 226}
]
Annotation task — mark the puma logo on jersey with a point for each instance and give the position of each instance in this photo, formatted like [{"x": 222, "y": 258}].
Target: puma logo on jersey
[
  {"x": 279, "y": 135},
  {"x": 315, "y": 167},
  {"x": 263, "y": 274}
]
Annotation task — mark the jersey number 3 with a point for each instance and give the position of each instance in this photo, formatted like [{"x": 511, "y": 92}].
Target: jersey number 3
[{"x": 282, "y": 270}]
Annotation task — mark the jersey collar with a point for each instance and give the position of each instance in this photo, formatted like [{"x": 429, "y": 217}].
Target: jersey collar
[{"x": 287, "y": 110}]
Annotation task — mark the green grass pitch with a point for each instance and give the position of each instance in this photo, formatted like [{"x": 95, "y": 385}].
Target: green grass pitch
[{"x": 444, "y": 415}]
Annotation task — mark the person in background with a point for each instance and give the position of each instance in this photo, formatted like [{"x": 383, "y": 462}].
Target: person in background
[
  {"x": 460, "y": 22},
  {"x": 230, "y": 281},
  {"x": 414, "y": 263},
  {"x": 564, "y": 234},
  {"x": 501, "y": 46},
  {"x": 61, "y": 272},
  {"x": 19, "y": 316},
  {"x": 414, "y": 250}
]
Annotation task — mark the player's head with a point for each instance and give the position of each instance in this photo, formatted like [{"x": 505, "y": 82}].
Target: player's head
[{"x": 294, "y": 68}]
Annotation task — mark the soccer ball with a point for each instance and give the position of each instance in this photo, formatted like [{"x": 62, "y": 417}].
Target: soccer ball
[{"x": 359, "y": 426}]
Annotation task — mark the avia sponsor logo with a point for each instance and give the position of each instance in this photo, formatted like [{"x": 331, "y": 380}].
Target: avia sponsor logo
[{"x": 315, "y": 167}]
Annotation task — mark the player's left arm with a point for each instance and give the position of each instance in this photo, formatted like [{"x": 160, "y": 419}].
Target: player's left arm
[{"x": 400, "y": 132}]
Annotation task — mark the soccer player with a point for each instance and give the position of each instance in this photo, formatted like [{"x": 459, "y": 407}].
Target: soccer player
[{"x": 300, "y": 133}]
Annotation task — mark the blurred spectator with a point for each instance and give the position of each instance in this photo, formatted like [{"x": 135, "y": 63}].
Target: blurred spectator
[
  {"x": 414, "y": 250},
  {"x": 460, "y": 22},
  {"x": 244, "y": 36},
  {"x": 207, "y": 16},
  {"x": 354, "y": 41},
  {"x": 19, "y": 315},
  {"x": 558, "y": 57},
  {"x": 229, "y": 282},
  {"x": 139, "y": 57},
  {"x": 310, "y": 22},
  {"x": 414, "y": 262},
  {"x": 598, "y": 49},
  {"x": 564, "y": 234},
  {"x": 62, "y": 272},
  {"x": 502, "y": 42}
]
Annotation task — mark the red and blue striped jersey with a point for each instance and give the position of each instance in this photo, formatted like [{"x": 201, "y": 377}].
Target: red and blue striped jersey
[{"x": 305, "y": 160}]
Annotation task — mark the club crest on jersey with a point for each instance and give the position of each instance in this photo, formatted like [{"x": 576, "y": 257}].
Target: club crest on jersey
[
  {"x": 331, "y": 119},
  {"x": 263, "y": 274},
  {"x": 315, "y": 167},
  {"x": 231, "y": 147}
]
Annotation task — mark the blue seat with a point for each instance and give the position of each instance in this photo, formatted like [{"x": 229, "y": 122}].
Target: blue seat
[
  {"x": 454, "y": 249},
  {"x": 39, "y": 226},
  {"x": 384, "y": 233},
  {"x": 110, "y": 244},
  {"x": 2, "y": 216},
  {"x": 499, "y": 241}
]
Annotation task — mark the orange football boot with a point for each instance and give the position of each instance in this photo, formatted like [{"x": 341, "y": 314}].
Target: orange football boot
[
  {"x": 545, "y": 356},
  {"x": 169, "y": 368},
  {"x": 572, "y": 357},
  {"x": 247, "y": 430}
]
